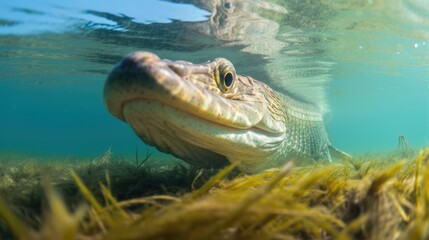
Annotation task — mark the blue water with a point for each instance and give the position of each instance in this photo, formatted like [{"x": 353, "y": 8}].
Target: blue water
[{"x": 366, "y": 64}]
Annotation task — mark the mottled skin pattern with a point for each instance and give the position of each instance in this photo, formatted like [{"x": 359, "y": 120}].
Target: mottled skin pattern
[{"x": 208, "y": 115}]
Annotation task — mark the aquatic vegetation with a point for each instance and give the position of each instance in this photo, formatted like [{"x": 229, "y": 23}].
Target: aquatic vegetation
[{"x": 364, "y": 198}]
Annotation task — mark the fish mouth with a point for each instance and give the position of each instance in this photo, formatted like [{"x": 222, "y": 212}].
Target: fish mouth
[
  {"x": 188, "y": 135},
  {"x": 144, "y": 76}
]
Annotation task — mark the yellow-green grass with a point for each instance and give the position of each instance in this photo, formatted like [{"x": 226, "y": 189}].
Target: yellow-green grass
[{"x": 369, "y": 197}]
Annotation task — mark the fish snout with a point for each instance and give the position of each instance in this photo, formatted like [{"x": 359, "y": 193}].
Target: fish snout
[
  {"x": 135, "y": 58},
  {"x": 134, "y": 77}
]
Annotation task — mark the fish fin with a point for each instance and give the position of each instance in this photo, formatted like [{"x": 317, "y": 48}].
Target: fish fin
[{"x": 336, "y": 153}]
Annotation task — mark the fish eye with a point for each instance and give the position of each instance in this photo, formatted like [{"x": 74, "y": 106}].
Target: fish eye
[
  {"x": 228, "y": 5},
  {"x": 225, "y": 77}
]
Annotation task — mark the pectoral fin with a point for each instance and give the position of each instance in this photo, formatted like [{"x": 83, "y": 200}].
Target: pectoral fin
[{"x": 336, "y": 153}]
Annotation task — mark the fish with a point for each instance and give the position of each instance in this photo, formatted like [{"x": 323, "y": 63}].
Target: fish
[{"x": 210, "y": 116}]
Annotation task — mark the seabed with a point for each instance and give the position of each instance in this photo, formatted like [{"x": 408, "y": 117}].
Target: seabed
[{"x": 369, "y": 197}]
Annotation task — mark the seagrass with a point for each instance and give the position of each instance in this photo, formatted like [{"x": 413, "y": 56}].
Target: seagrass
[{"x": 369, "y": 197}]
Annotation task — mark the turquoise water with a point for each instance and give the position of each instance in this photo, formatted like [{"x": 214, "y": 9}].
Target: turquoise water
[{"x": 365, "y": 63}]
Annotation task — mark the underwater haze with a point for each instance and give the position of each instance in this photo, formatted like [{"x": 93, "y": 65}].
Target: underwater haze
[{"x": 365, "y": 64}]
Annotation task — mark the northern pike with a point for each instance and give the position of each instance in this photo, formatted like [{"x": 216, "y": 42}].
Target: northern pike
[{"x": 209, "y": 115}]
